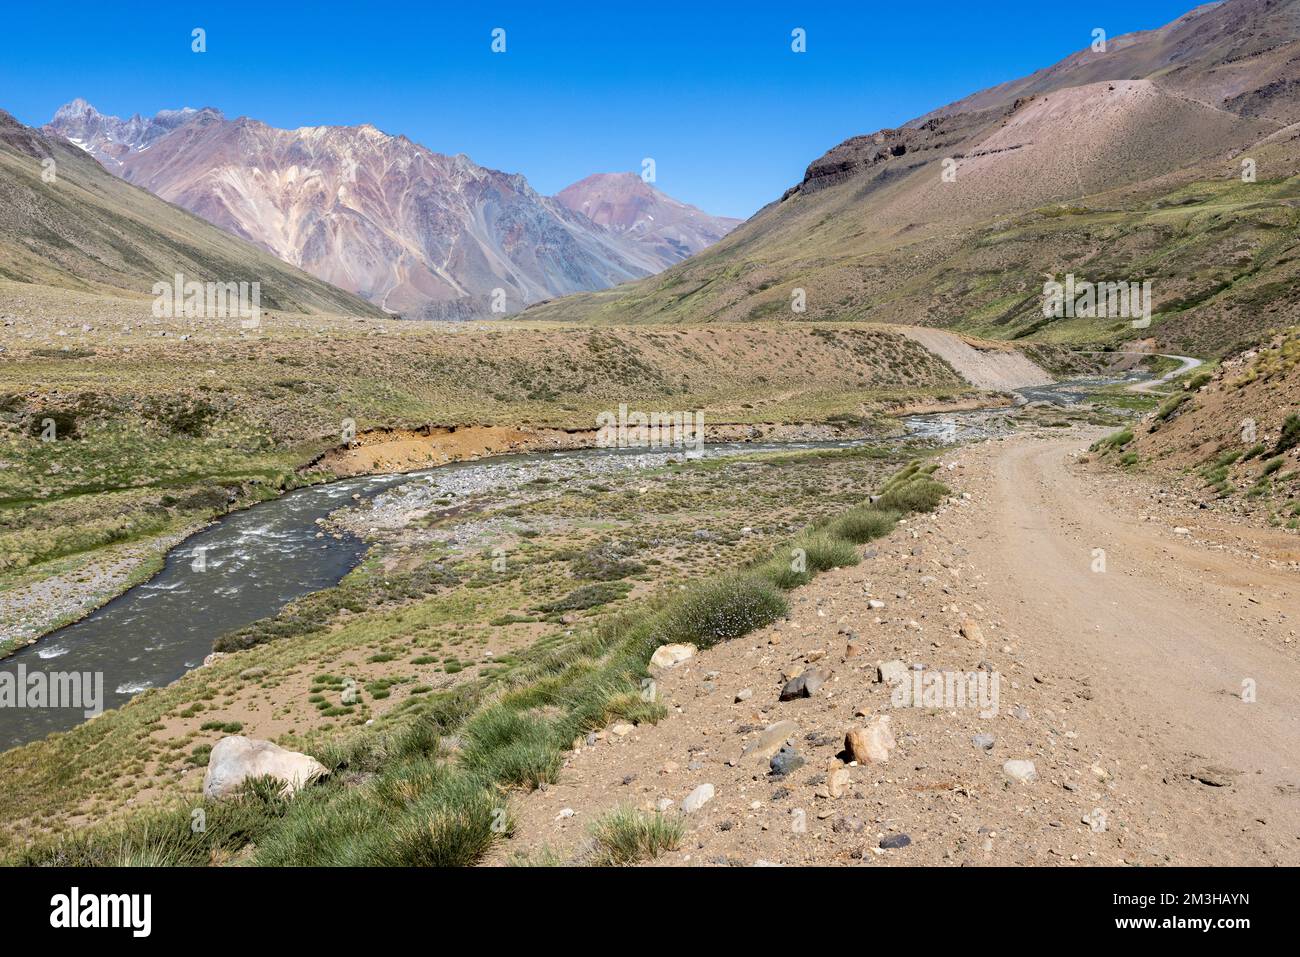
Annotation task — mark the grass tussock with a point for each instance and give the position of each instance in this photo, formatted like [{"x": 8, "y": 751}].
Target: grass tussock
[
  {"x": 1116, "y": 440},
  {"x": 628, "y": 836}
]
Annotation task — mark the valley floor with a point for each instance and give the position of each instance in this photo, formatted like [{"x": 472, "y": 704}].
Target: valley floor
[{"x": 1159, "y": 698}]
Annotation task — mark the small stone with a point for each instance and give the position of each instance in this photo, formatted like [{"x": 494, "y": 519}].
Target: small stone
[
  {"x": 971, "y": 631},
  {"x": 744, "y": 694},
  {"x": 785, "y": 761},
  {"x": 1021, "y": 771},
  {"x": 892, "y": 841},
  {"x": 891, "y": 672},
  {"x": 769, "y": 740},
  {"x": 875, "y": 604},
  {"x": 838, "y": 781},
  {"x": 870, "y": 744},
  {"x": 622, "y": 729},
  {"x": 701, "y": 796},
  {"x": 568, "y": 812},
  {"x": 1215, "y": 776},
  {"x": 984, "y": 741},
  {"x": 804, "y": 685}
]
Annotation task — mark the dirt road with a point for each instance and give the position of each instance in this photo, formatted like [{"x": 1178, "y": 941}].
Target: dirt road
[
  {"x": 1122, "y": 682},
  {"x": 1181, "y": 632},
  {"x": 1186, "y": 364}
]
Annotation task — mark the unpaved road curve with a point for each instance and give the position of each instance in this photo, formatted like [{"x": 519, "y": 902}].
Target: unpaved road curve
[
  {"x": 1188, "y": 363},
  {"x": 1163, "y": 623}
]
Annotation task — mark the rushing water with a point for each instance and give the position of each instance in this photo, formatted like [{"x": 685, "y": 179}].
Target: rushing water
[{"x": 252, "y": 563}]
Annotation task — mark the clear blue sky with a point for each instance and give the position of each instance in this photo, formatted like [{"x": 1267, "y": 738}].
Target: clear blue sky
[{"x": 712, "y": 91}]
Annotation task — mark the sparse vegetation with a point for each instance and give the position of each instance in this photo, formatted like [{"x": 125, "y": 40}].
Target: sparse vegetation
[{"x": 395, "y": 797}]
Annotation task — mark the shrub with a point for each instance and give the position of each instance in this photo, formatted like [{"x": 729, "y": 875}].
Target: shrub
[
  {"x": 824, "y": 551},
  {"x": 1290, "y": 437},
  {"x": 587, "y": 596},
  {"x": 864, "y": 524},
  {"x": 1171, "y": 405},
  {"x": 626, "y": 836},
  {"x": 918, "y": 495},
  {"x": 723, "y": 608},
  {"x": 453, "y": 824}
]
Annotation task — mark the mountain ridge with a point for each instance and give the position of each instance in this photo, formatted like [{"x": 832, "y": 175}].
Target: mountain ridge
[
  {"x": 419, "y": 233},
  {"x": 1128, "y": 170}
]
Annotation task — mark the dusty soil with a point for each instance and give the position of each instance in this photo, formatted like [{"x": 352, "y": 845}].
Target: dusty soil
[{"x": 1125, "y": 687}]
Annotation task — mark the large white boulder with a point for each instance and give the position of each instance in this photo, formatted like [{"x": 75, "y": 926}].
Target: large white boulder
[
  {"x": 667, "y": 656},
  {"x": 236, "y": 759}
]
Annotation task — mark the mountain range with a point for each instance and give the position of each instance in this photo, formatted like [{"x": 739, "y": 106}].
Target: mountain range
[
  {"x": 67, "y": 223},
  {"x": 1171, "y": 155},
  {"x": 417, "y": 233}
]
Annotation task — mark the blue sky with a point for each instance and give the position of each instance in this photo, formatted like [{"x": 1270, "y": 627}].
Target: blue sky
[{"x": 711, "y": 91}]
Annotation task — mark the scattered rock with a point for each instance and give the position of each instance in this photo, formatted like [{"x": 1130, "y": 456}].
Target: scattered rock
[
  {"x": 1216, "y": 776},
  {"x": 770, "y": 740},
  {"x": 701, "y": 796},
  {"x": 1021, "y": 771},
  {"x": 838, "y": 781},
  {"x": 804, "y": 685},
  {"x": 984, "y": 741},
  {"x": 744, "y": 694},
  {"x": 667, "y": 656},
  {"x": 891, "y": 672},
  {"x": 891, "y": 841},
  {"x": 785, "y": 761},
  {"x": 871, "y": 744},
  {"x": 971, "y": 631}
]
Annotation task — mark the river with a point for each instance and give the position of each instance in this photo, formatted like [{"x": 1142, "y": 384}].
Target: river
[{"x": 251, "y": 563}]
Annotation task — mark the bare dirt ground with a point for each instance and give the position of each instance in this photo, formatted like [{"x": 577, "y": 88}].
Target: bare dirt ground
[
  {"x": 991, "y": 367},
  {"x": 1158, "y": 698}
]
